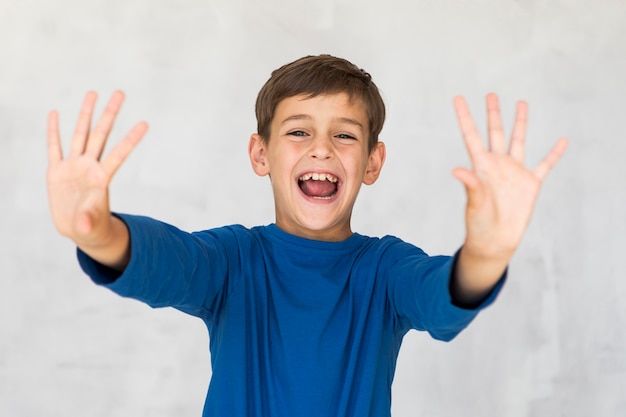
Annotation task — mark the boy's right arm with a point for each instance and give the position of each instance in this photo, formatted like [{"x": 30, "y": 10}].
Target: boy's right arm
[{"x": 78, "y": 183}]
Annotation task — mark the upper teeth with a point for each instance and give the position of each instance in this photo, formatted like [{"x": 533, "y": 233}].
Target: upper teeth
[{"x": 318, "y": 177}]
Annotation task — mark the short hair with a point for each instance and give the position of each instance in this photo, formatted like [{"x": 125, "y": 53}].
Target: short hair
[{"x": 319, "y": 75}]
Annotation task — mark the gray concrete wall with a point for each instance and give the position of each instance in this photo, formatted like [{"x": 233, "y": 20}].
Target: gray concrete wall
[{"x": 554, "y": 344}]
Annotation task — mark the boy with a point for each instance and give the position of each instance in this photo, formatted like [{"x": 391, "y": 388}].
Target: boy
[{"x": 305, "y": 317}]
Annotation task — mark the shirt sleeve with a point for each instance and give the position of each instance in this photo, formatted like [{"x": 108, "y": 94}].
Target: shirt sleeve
[
  {"x": 168, "y": 268},
  {"x": 419, "y": 291}
]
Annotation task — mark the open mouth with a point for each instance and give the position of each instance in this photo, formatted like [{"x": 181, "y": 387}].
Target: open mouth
[{"x": 321, "y": 186}]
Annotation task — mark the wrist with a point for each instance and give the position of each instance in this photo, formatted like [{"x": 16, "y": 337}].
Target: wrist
[
  {"x": 476, "y": 274},
  {"x": 111, "y": 248},
  {"x": 489, "y": 252}
]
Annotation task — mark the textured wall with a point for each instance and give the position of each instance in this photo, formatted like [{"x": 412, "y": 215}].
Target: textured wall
[{"x": 554, "y": 344}]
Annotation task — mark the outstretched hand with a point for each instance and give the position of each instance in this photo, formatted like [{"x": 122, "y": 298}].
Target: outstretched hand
[
  {"x": 501, "y": 195},
  {"x": 78, "y": 183},
  {"x": 501, "y": 189}
]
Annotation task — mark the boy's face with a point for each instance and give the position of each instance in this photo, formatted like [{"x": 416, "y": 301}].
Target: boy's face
[{"x": 317, "y": 158}]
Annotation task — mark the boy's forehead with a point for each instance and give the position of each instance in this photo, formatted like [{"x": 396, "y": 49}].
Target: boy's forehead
[{"x": 292, "y": 107}]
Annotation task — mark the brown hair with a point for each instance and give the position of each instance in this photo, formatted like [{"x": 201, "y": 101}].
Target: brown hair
[{"x": 317, "y": 75}]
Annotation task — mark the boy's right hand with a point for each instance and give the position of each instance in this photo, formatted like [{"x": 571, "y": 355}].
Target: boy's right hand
[{"x": 78, "y": 184}]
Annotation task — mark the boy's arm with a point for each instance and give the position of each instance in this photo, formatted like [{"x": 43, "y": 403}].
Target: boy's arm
[
  {"x": 501, "y": 194},
  {"x": 78, "y": 184}
]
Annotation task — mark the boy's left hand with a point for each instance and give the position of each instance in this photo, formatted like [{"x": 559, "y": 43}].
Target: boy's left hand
[{"x": 501, "y": 189}]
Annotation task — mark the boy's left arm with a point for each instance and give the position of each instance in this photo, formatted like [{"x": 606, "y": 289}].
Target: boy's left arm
[{"x": 501, "y": 194}]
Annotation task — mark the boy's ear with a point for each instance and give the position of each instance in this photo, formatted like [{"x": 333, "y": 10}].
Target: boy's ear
[
  {"x": 257, "y": 152},
  {"x": 375, "y": 163}
]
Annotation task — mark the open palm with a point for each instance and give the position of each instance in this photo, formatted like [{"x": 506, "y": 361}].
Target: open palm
[
  {"x": 501, "y": 190},
  {"x": 78, "y": 184}
]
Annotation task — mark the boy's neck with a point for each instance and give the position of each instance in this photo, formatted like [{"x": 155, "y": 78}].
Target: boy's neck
[{"x": 333, "y": 234}]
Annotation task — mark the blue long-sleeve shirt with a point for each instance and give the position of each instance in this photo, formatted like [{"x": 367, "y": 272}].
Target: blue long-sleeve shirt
[{"x": 297, "y": 327}]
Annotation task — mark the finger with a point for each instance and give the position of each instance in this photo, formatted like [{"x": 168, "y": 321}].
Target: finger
[
  {"x": 472, "y": 186},
  {"x": 518, "y": 137},
  {"x": 121, "y": 151},
  {"x": 101, "y": 131},
  {"x": 55, "y": 153},
  {"x": 81, "y": 133},
  {"x": 551, "y": 159},
  {"x": 470, "y": 134},
  {"x": 84, "y": 224},
  {"x": 467, "y": 177},
  {"x": 494, "y": 125}
]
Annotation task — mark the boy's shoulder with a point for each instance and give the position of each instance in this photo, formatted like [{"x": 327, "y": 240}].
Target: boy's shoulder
[{"x": 144, "y": 229}]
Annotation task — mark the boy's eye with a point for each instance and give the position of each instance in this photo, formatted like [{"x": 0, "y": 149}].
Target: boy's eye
[
  {"x": 344, "y": 136},
  {"x": 297, "y": 133}
]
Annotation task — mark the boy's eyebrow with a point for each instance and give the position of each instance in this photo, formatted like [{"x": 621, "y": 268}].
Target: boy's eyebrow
[
  {"x": 308, "y": 117},
  {"x": 296, "y": 117},
  {"x": 350, "y": 121}
]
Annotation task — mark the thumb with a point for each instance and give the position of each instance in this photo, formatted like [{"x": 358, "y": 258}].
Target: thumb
[
  {"x": 472, "y": 185},
  {"x": 92, "y": 217},
  {"x": 84, "y": 224}
]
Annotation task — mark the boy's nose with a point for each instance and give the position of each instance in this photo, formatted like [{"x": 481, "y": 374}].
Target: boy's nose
[{"x": 321, "y": 148}]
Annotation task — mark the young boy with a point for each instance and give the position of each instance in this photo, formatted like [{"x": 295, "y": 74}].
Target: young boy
[{"x": 305, "y": 316}]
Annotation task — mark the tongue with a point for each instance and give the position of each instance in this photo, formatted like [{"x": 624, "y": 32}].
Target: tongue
[{"x": 314, "y": 188}]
